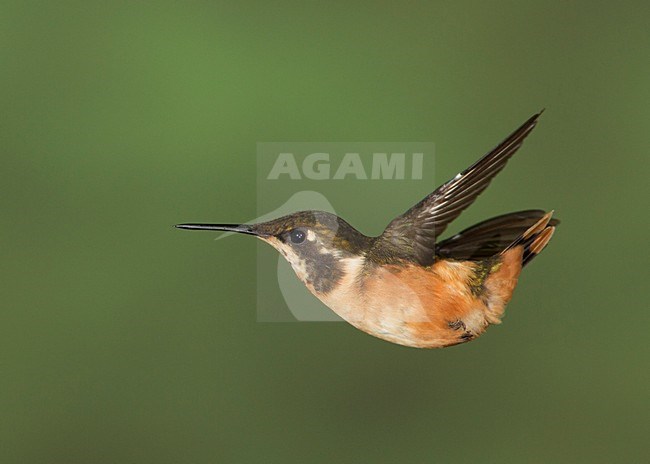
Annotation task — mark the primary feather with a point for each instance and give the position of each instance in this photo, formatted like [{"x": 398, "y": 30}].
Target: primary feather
[{"x": 418, "y": 228}]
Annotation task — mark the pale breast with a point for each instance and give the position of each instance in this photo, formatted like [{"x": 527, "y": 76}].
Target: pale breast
[{"x": 415, "y": 306}]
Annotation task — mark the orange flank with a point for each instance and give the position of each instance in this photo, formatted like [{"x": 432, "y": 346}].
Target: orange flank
[{"x": 447, "y": 305}]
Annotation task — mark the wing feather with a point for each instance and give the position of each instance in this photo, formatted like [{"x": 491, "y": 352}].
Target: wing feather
[{"x": 415, "y": 231}]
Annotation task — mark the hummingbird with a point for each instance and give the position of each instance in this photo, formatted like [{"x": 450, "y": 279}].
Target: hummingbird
[{"x": 405, "y": 286}]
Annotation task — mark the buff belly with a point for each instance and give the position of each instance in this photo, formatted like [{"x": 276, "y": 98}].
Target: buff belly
[{"x": 425, "y": 307}]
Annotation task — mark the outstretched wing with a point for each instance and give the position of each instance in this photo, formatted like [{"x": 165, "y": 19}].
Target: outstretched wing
[{"x": 415, "y": 231}]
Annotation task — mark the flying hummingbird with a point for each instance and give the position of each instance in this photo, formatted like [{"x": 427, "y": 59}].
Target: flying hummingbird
[{"x": 403, "y": 286}]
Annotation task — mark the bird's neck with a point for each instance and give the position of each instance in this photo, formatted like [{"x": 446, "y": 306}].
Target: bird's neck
[{"x": 348, "y": 287}]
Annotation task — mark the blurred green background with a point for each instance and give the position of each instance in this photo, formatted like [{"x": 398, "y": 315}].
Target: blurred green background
[{"x": 124, "y": 340}]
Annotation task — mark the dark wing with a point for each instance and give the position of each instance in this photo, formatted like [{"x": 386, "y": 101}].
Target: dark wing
[
  {"x": 414, "y": 232},
  {"x": 491, "y": 236}
]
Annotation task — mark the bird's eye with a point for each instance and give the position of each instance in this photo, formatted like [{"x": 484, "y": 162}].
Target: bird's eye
[{"x": 297, "y": 236}]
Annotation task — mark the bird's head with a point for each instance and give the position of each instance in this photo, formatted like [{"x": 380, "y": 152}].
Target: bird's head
[{"x": 315, "y": 243}]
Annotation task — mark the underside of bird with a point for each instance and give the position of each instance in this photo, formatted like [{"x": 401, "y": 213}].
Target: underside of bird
[{"x": 449, "y": 302}]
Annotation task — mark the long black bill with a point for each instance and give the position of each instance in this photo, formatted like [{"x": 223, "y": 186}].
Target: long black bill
[{"x": 239, "y": 228}]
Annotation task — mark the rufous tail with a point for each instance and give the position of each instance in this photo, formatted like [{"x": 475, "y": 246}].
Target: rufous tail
[{"x": 534, "y": 239}]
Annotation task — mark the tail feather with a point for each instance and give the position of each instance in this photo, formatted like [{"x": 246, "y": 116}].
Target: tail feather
[
  {"x": 538, "y": 244},
  {"x": 535, "y": 238}
]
